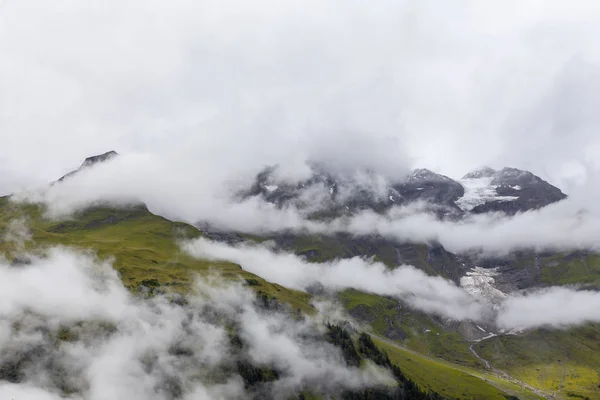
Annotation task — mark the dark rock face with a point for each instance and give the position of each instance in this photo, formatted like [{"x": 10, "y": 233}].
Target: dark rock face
[
  {"x": 531, "y": 191},
  {"x": 338, "y": 195},
  {"x": 334, "y": 194},
  {"x": 425, "y": 185},
  {"x": 99, "y": 158},
  {"x": 509, "y": 190},
  {"x": 485, "y": 172},
  {"x": 88, "y": 162}
]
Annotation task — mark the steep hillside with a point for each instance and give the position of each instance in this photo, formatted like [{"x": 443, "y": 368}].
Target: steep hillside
[
  {"x": 440, "y": 355},
  {"x": 146, "y": 253},
  {"x": 144, "y": 247}
]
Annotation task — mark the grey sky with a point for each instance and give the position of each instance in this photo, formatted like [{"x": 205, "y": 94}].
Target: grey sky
[{"x": 242, "y": 84}]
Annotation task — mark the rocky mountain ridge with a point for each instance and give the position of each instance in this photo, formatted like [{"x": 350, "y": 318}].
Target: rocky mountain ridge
[
  {"x": 508, "y": 190},
  {"x": 90, "y": 161}
]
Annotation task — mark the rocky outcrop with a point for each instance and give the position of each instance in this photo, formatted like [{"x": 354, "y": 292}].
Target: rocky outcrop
[
  {"x": 336, "y": 194},
  {"x": 425, "y": 185},
  {"x": 88, "y": 162}
]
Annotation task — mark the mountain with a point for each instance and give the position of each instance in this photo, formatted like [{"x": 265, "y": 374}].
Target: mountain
[
  {"x": 509, "y": 190},
  {"x": 90, "y": 161},
  {"x": 443, "y": 357}
]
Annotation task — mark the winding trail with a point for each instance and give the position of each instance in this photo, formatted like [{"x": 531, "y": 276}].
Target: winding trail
[
  {"x": 500, "y": 374},
  {"x": 507, "y": 377}
]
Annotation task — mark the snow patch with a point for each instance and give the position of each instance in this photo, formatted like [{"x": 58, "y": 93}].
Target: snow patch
[
  {"x": 480, "y": 283},
  {"x": 271, "y": 188},
  {"x": 479, "y": 191}
]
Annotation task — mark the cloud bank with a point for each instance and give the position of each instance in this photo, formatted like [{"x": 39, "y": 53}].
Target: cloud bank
[
  {"x": 555, "y": 306},
  {"x": 69, "y": 328},
  {"x": 175, "y": 189},
  {"x": 446, "y": 86}
]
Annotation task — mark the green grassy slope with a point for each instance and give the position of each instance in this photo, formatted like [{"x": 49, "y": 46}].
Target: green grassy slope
[
  {"x": 143, "y": 246},
  {"x": 457, "y": 382},
  {"x": 417, "y": 331},
  {"x": 562, "y": 362},
  {"x": 144, "y": 249},
  {"x": 565, "y": 362}
]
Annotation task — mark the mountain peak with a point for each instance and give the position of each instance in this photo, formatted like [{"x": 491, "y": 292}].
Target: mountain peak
[
  {"x": 99, "y": 158},
  {"x": 426, "y": 175},
  {"x": 514, "y": 176},
  {"x": 88, "y": 162},
  {"x": 484, "y": 172}
]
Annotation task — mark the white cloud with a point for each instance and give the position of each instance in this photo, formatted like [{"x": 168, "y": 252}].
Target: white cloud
[
  {"x": 126, "y": 347},
  {"x": 427, "y": 293},
  {"x": 448, "y": 86},
  {"x": 555, "y": 307}
]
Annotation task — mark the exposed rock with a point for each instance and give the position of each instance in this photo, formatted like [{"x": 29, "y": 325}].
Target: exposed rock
[
  {"x": 529, "y": 192},
  {"x": 363, "y": 314},
  {"x": 485, "y": 172},
  {"x": 392, "y": 331},
  {"x": 327, "y": 194},
  {"x": 88, "y": 162},
  {"x": 425, "y": 185},
  {"x": 471, "y": 331}
]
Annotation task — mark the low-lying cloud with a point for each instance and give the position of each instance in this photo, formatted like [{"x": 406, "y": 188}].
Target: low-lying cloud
[
  {"x": 177, "y": 190},
  {"x": 555, "y": 306},
  {"x": 561, "y": 226},
  {"x": 68, "y": 327},
  {"x": 427, "y": 293}
]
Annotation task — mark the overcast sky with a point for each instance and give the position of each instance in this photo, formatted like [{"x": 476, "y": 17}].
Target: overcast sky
[{"x": 389, "y": 85}]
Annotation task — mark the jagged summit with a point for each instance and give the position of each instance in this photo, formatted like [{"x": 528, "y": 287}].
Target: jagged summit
[
  {"x": 99, "y": 158},
  {"x": 425, "y": 175},
  {"x": 484, "y": 172},
  {"x": 509, "y": 190},
  {"x": 338, "y": 193},
  {"x": 88, "y": 162}
]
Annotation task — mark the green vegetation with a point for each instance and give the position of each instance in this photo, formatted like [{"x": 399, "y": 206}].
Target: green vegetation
[
  {"x": 565, "y": 362},
  {"x": 388, "y": 317},
  {"x": 144, "y": 249},
  {"x": 324, "y": 248},
  {"x": 584, "y": 270},
  {"x": 405, "y": 388},
  {"x": 142, "y": 246},
  {"x": 450, "y": 380}
]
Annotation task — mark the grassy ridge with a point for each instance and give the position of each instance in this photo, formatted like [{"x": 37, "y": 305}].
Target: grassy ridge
[{"x": 143, "y": 246}]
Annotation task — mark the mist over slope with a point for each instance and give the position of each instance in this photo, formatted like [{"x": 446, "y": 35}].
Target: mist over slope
[
  {"x": 84, "y": 335},
  {"x": 307, "y": 151},
  {"x": 462, "y": 307}
]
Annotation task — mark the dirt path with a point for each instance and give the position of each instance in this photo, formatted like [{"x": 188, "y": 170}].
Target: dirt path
[
  {"x": 507, "y": 377},
  {"x": 500, "y": 374}
]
